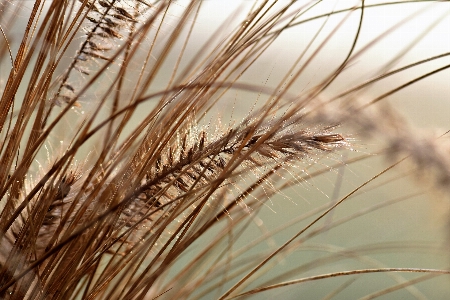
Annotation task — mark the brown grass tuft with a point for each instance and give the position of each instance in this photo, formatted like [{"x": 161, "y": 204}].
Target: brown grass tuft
[{"x": 184, "y": 154}]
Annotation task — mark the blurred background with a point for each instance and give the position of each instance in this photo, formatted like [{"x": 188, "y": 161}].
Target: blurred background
[{"x": 398, "y": 220}]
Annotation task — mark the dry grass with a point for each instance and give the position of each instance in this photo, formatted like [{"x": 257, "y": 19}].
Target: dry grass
[{"x": 131, "y": 169}]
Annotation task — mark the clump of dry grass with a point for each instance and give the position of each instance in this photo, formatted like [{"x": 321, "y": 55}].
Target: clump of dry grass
[{"x": 150, "y": 191}]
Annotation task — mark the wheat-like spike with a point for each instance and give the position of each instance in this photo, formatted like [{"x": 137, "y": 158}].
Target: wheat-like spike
[
  {"x": 109, "y": 18},
  {"x": 198, "y": 166}
]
